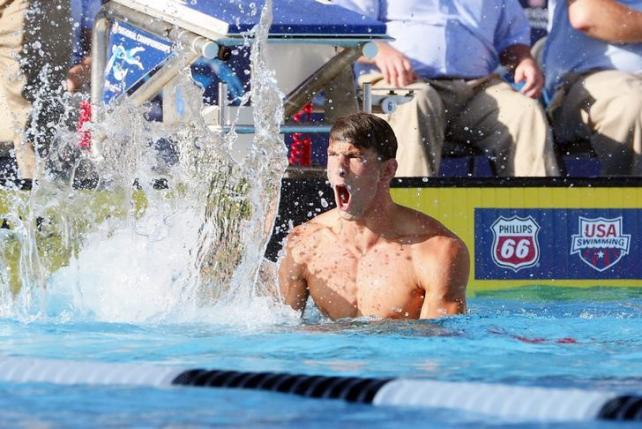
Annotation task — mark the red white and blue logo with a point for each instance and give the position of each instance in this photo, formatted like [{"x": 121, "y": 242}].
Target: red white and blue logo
[
  {"x": 600, "y": 243},
  {"x": 515, "y": 242}
]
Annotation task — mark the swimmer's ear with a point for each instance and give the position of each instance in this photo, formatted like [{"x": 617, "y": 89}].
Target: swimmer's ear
[{"x": 389, "y": 169}]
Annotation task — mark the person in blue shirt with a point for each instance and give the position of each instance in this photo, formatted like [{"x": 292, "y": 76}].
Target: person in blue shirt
[
  {"x": 83, "y": 14},
  {"x": 593, "y": 64},
  {"x": 448, "y": 52}
]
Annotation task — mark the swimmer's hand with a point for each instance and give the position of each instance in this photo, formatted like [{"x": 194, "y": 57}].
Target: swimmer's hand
[
  {"x": 268, "y": 284},
  {"x": 79, "y": 75}
]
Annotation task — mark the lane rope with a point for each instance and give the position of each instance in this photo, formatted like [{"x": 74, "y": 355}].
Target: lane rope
[{"x": 498, "y": 400}]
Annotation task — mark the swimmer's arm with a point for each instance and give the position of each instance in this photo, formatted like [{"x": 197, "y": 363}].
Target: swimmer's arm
[
  {"x": 268, "y": 284},
  {"x": 293, "y": 286},
  {"x": 445, "y": 276}
]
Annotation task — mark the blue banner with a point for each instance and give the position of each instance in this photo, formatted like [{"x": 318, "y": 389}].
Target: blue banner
[
  {"x": 303, "y": 17},
  {"x": 533, "y": 244},
  {"x": 133, "y": 55}
]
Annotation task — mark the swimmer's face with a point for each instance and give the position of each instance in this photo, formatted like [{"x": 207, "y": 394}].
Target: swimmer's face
[{"x": 355, "y": 175}]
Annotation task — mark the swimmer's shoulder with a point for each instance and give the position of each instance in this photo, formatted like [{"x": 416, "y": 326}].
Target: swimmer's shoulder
[
  {"x": 433, "y": 244},
  {"x": 314, "y": 227},
  {"x": 420, "y": 226},
  {"x": 306, "y": 236}
]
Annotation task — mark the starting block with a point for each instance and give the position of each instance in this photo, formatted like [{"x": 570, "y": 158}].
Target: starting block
[
  {"x": 384, "y": 100},
  {"x": 140, "y": 46}
]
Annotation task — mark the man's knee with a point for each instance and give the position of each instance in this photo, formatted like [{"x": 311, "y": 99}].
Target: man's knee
[
  {"x": 624, "y": 109},
  {"x": 424, "y": 108},
  {"x": 520, "y": 111},
  {"x": 427, "y": 99}
]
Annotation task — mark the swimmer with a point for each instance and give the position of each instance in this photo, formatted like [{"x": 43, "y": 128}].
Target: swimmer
[{"x": 370, "y": 256}]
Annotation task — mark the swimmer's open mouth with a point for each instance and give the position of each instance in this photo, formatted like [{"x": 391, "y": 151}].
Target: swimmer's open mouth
[{"x": 342, "y": 196}]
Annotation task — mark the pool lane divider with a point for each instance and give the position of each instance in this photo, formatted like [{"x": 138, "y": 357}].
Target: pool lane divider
[{"x": 498, "y": 400}]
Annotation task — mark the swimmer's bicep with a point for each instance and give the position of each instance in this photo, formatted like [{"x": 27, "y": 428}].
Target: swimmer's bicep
[
  {"x": 293, "y": 287},
  {"x": 444, "y": 280},
  {"x": 438, "y": 305}
]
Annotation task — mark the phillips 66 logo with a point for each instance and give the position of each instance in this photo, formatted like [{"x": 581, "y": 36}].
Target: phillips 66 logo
[
  {"x": 515, "y": 244},
  {"x": 600, "y": 243}
]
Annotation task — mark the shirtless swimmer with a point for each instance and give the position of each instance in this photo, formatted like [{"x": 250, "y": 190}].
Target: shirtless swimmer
[{"x": 370, "y": 256}]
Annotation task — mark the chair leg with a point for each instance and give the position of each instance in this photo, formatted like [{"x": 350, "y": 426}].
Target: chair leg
[
  {"x": 559, "y": 157},
  {"x": 472, "y": 169}
]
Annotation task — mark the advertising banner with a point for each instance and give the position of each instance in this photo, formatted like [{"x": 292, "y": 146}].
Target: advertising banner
[{"x": 557, "y": 244}]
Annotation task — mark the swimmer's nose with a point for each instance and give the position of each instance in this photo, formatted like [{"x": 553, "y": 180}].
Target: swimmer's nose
[{"x": 342, "y": 172}]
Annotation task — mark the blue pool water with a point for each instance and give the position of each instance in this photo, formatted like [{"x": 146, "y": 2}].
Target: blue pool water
[{"x": 590, "y": 339}]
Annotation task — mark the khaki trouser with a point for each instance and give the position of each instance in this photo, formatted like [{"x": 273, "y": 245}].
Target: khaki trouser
[
  {"x": 35, "y": 52},
  {"x": 14, "y": 108},
  {"x": 509, "y": 127},
  {"x": 605, "y": 108}
]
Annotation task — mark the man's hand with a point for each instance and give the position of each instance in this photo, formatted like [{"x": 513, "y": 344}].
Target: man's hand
[
  {"x": 518, "y": 60},
  {"x": 395, "y": 66},
  {"x": 528, "y": 72}
]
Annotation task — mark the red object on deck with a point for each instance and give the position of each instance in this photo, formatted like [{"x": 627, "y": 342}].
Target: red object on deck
[
  {"x": 300, "y": 150},
  {"x": 301, "y": 147},
  {"x": 84, "y": 141}
]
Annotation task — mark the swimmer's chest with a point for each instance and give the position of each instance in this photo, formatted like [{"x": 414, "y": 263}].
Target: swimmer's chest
[{"x": 380, "y": 282}]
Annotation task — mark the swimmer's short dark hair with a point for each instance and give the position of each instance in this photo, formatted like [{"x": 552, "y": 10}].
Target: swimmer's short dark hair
[{"x": 366, "y": 131}]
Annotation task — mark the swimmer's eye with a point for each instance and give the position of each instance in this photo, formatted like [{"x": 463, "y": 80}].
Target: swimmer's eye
[{"x": 350, "y": 156}]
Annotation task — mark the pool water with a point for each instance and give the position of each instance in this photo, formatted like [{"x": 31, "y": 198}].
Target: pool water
[{"x": 585, "y": 338}]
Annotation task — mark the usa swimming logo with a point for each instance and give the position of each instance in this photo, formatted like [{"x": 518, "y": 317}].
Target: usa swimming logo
[
  {"x": 600, "y": 243},
  {"x": 515, "y": 242}
]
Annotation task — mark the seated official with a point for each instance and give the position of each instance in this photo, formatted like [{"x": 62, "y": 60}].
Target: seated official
[
  {"x": 447, "y": 53},
  {"x": 593, "y": 59},
  {"x": 83, "y": 14},
  {"x": 370, "y": 256}
]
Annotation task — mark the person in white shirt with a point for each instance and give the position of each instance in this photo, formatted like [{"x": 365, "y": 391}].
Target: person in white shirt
[{"x": 447, "y": 52}]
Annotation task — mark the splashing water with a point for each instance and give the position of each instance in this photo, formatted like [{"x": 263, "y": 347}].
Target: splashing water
[{"x": 118, "y": 253}]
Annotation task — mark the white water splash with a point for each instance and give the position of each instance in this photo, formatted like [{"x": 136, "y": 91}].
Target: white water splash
[{"x": 140, "y": 257}]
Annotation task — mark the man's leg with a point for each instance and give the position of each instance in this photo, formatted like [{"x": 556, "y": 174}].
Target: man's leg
[
  {"x": 12, "y": 83},
  {"x": 510, "y": 127},
  {"x": 606, "y": 107},
  {"x": 47, "y": 48},
  {"x": 419, "y": 127}
]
